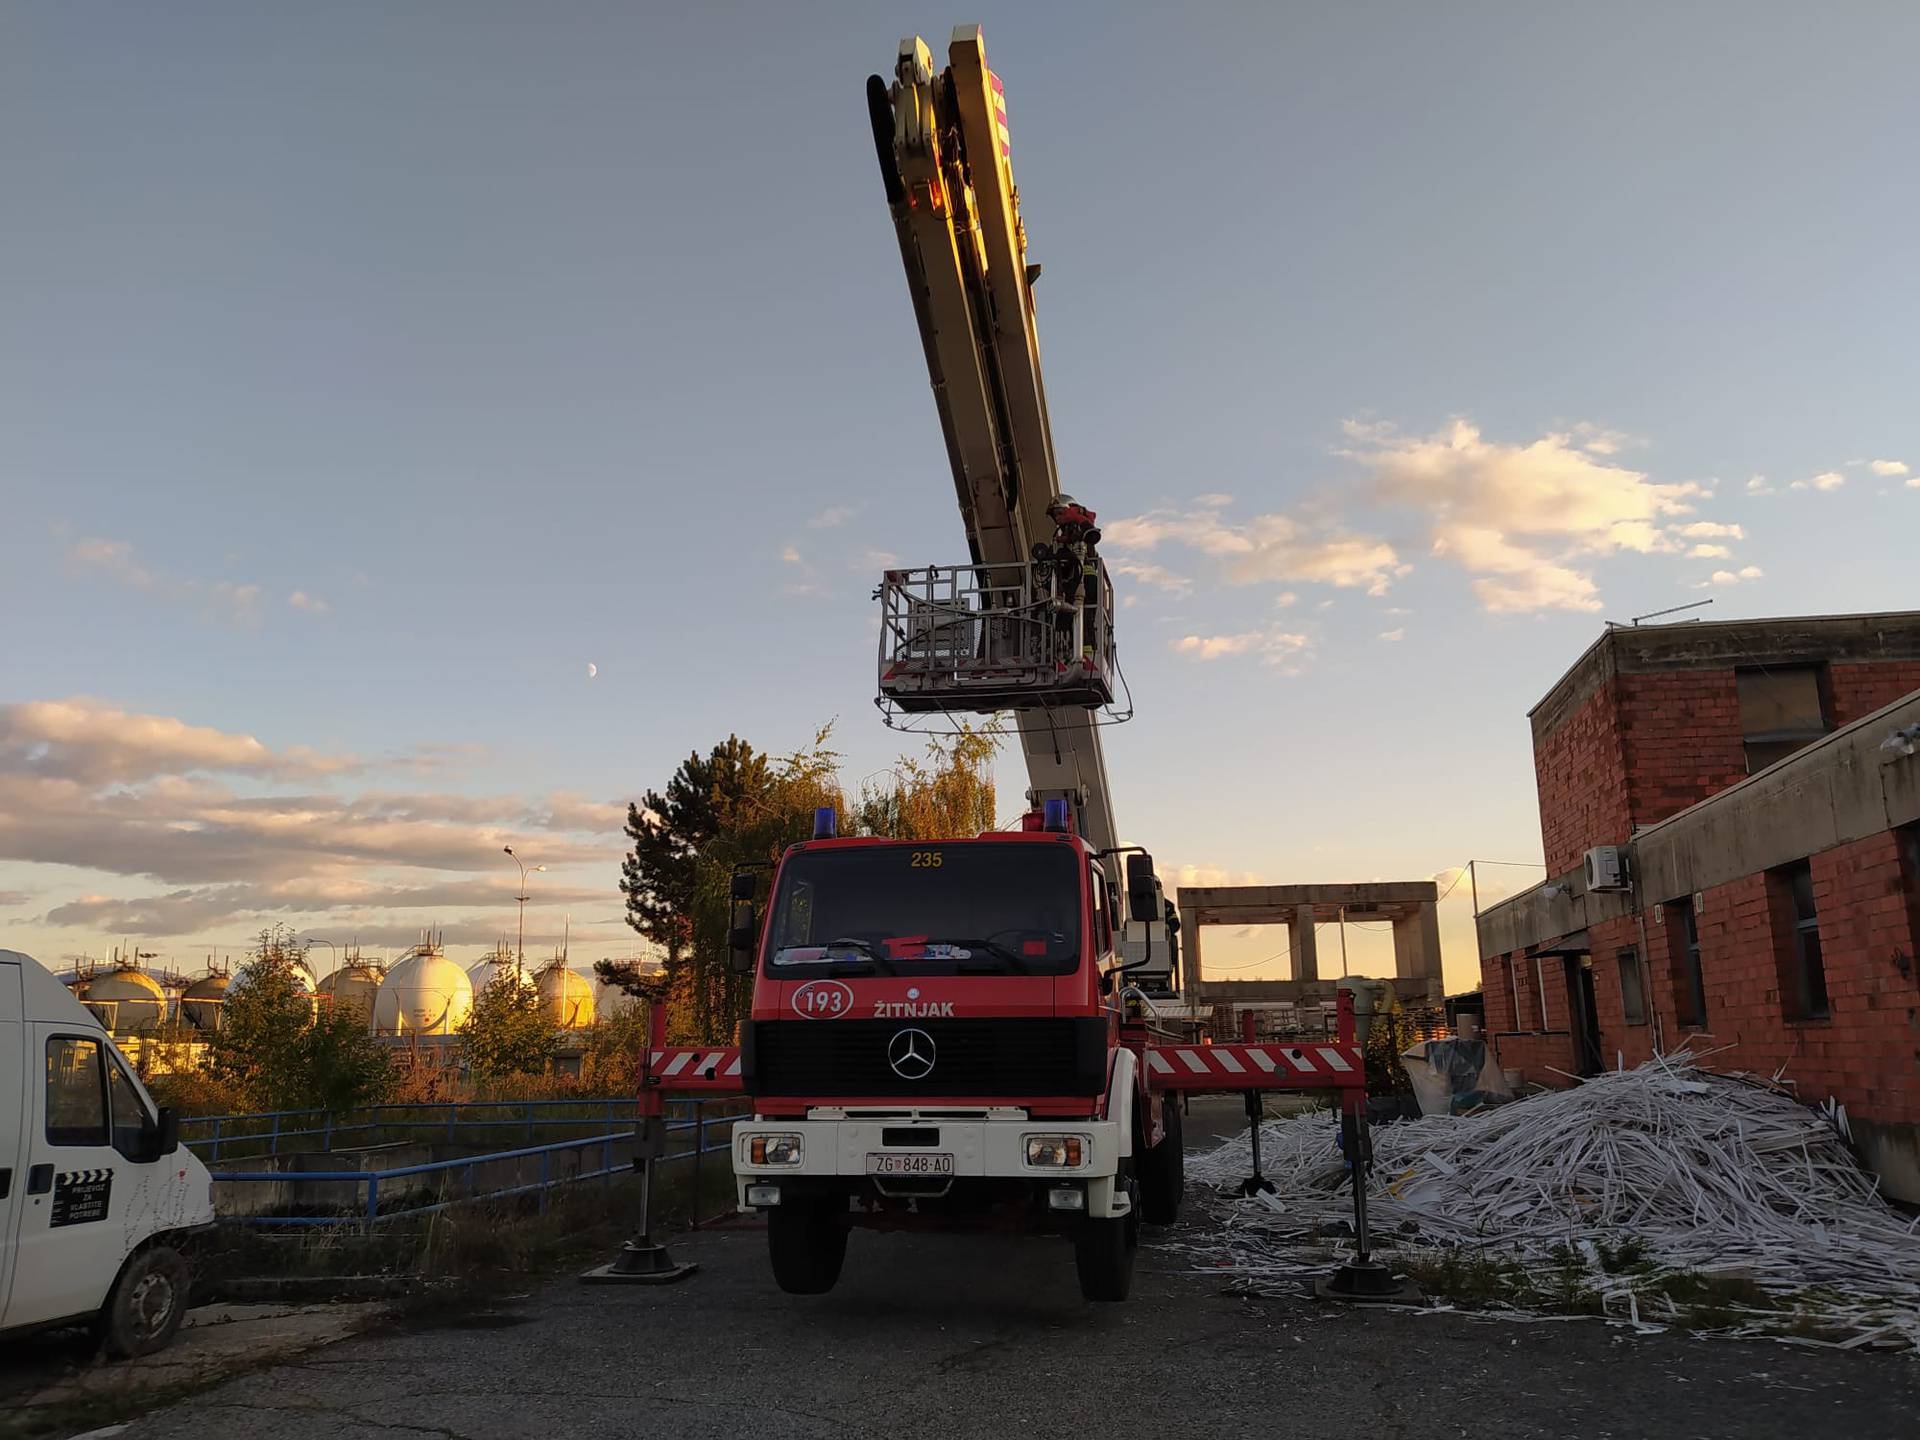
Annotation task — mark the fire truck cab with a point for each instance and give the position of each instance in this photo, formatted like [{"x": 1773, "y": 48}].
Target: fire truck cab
[{"x": 938, "y": 1040}]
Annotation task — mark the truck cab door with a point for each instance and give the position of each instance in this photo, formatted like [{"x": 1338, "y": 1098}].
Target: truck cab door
[
  {"x": 13, "y": 1101},
  {"x": 71, "y": 1187}
]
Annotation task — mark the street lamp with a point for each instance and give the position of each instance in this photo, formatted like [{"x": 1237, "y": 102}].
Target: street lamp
[
  {"x": 333, "y": 949},
  {"x": 522, "y": 898}
]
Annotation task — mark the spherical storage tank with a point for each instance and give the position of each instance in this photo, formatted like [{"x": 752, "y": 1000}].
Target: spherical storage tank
[
  {"x": 425, "y": 994},
  {"x": 494, "y": 966},
  {"x": 204, "y": 999},
  {"x": 354, "y": 986},
  {"x": 127, "y": 1000},
  {"x": 567, "y": 996}
]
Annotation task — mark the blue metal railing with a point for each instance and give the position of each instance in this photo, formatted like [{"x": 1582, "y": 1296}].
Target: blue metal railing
[
  {"x": 213, "y": 1137},
  {"x": 368, "y": 1213}
]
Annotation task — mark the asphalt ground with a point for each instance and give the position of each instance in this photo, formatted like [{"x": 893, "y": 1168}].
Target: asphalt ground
[{"x": 965, "y": 1336}]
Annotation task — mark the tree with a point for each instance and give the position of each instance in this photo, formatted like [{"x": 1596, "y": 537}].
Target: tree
[
  {"x": 282, "y": 1055},
  {"x": 508, "y": 1032},
  {"x": 950, "y": 794},
  {"x": 733, "y": 807}
]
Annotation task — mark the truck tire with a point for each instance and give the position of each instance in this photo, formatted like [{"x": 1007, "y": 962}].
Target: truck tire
[
  {"x": 807, "y": 1244},
  {"x": 146, "y": 1304},
  {"x": 1103, "y": 1251},
  {"x": 1163, "y": 1170}
]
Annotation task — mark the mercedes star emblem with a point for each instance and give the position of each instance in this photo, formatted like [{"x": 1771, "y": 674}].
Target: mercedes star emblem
[{"x": 910, "y": 1053}]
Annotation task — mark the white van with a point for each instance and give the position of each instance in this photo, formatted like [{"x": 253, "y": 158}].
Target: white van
[{"x": 95, "y": 1190}]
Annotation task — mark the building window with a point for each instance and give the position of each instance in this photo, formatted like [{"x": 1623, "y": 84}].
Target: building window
[
  {"x": 1803, "y": 972},
  {"x": 1780, "y": 711},
  {"x": 1683, "y": 954},
  {"x": 1633, "y": 995}
]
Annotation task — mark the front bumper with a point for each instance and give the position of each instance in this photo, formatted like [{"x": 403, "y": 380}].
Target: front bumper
[{"x": 835, "y": 1146}]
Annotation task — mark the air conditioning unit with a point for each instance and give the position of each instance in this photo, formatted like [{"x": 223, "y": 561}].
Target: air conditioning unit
[{"x": 1607, "y": 868}]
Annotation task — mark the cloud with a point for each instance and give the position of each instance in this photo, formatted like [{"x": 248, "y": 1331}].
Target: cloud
[
  {"x": 1281, "y": 649},
  {"x": 91, "y": 741},
  {"x": 1524, "y": 518},
  {"x": 831, "y": 516},
  {"x": 1825, "y": 480},
  {"x": 1709, "y": 530},
  {"x": 1396, "y": 634},
  {"x": 311, "y": 604},
  {"x": 1888, "y": 467},
  {"x": 1264, "y": 548},
  {"x": 230, "y": 830},
  {"x": 1709, "y": 552},
  {"x": 1284, "y": 599},
  {"x": 1760, "y": 485},
  {"x": 224, "y": 600},
  {"x": 1147, "y": 573},
  {"x": 1730, "y": 577},
  {"x": 790, "y": 554},
  {"x": 877, "y": 560},
  {"x": 10, "y": 898}
]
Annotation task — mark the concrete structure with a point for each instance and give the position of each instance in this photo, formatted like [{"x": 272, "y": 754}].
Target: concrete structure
[
  {"x": 1777, "y": 912},
  {"x": 1410, "y": 906}
]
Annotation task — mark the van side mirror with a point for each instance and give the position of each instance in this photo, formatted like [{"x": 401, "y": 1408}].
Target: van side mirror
[
  {"x": 1143, "y": 890},
  {"x": 743, "y": 884},
  {"x": 166, "y": 1138},
  {"x": 741, "y": 935}
]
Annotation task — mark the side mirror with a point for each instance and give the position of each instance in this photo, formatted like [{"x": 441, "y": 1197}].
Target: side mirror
[
  {"x": 741, "y": 935},
  {"x": 743, "y": 883},
  {"x": 1143, "y": 890},
  {"x": 166, "y": 1132}
]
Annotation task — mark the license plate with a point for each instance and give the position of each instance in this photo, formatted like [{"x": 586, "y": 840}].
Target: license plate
[{"x": 884, "y": 1163}]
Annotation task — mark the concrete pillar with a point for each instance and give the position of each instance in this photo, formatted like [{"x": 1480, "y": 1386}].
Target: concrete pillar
[
  {"x": 1191, "y": 985},
  {"x": 1416, "y": 950},
  {"x": 1304, "y": 949}
]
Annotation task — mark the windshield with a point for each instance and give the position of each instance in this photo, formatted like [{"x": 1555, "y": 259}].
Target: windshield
[{"x": 999, "y": 908}]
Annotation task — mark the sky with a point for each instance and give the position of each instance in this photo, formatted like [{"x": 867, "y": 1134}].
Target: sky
[{"x": 424, "y": 424}]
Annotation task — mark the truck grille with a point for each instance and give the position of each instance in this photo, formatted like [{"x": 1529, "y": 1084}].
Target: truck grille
[{"x": 1013, "y": 1057}]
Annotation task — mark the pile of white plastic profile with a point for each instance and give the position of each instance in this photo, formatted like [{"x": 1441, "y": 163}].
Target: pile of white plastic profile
[{"x": 1640, "y": 1182}]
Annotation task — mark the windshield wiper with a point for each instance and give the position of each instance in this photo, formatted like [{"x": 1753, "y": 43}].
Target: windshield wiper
[
  {"x": 867, "y": 948},
  {"x": 993, "y": 948}
]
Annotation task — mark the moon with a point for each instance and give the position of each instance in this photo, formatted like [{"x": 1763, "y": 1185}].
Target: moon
[{"x": 592, "y": 670}]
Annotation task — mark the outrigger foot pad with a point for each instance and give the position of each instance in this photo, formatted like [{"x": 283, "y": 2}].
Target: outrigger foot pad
[
  {"x": 1366, "y": 1282},
  {"x": 640, "y": 1262}
]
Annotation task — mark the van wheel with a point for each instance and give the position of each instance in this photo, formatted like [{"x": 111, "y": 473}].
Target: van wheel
[
  {"x": 146, "y": 1304},
  {"x": 1163, "y": 1170},
  {"x": 1103, "y": 1251},
  {"x": 807, "y": 1244}
]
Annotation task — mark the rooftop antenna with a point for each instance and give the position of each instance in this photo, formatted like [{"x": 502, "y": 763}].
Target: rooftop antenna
[{"x": 1671, "y": 610}]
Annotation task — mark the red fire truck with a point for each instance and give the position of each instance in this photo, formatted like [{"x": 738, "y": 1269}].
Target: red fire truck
[{"x": 962, "y": 1033}]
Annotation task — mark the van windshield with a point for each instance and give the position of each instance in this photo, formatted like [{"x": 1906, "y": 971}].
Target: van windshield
[{"x": 954, "y": 908}]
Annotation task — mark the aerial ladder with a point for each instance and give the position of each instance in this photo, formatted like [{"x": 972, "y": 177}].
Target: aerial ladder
[
  {"x": 1021, "y": 627},
  {"x": 1024, "y": 626}
]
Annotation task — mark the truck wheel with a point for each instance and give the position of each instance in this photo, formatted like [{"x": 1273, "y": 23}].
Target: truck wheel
[
  {"x": 146, "y": 1304},
  {"x": 1163, "y": 1173},
  {"x": 1103, "y": 1251},
  {"x": 808, "y": 1245}
]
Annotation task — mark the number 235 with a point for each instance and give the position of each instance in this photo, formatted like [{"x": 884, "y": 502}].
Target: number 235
[{"x": 925, "y": 860}]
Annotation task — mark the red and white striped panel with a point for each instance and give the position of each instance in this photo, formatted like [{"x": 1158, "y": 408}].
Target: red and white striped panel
[
  {"x": 1265, "y": 1066},
  {"x": 688, "y": 1068},
  {"x": 1000, "y": 116}
]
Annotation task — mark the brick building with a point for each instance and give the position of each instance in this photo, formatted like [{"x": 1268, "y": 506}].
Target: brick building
[{"x": 1761, "y": 779}]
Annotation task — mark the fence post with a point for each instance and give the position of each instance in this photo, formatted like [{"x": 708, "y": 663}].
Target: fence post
[
  {"x": 326, "y": 1134},
  {"x": 218, "y": 1122},
  {"x": 373, "y": 1199},
  {"x": 449, "y": 1122},
  {"x": 699, "y": 1148},
  {"x": 276, "y": 1132},
  {"x": 528, "y": 1107},
  {"x": 546, "y": 1156}
]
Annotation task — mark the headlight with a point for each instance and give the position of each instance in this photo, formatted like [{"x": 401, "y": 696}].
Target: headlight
[
  {"x": 1056, "y": 1152},
  {"x": 773, "y": 1150}
]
